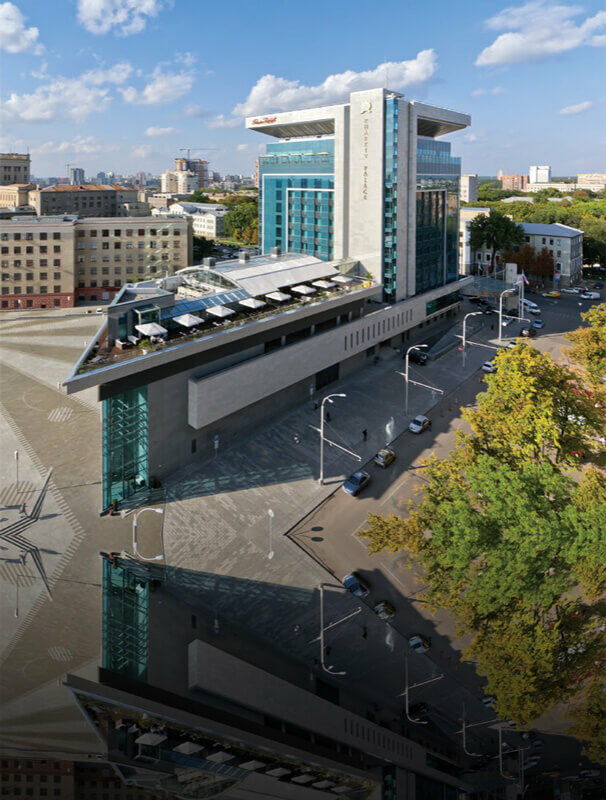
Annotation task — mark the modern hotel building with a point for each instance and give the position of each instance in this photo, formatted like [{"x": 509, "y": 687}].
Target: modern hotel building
[{"x": 359, "y": 234}]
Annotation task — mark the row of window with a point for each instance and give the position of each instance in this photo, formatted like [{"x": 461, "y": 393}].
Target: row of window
[
  {"x": 30, "y": 250},
  {"x": 105, "y": 232},
  {"x": 30, "y": 303},
  {"x": 129, "y": 259},
  {"x": 29, "y": 276},
  {"x": 16, "y": 263},
  {"x": 30, "y": 290},
  {"x": 128, "y": 246},
  {"x": 28, "y": 237}
]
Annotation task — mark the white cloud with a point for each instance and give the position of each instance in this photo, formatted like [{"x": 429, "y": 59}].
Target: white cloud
[
  {"x": 242, "y": 147},
  {"x": 80, "y": 145},
  {"x": 495, "y": 90},
  {"x": 14, "y": 36},
  {"x": 74, "y": 98},
  {"x": 221, "y": 121},
  {"x": 272, "y": 93},
  {"x": 153, "y": 131},
  {"x": 142, "y": 151},
  {"x": 539, "y": 29},
  {"x": 162, "y": 87},
  {"x": 124, "y": 17},
  {"x": 578, "y": 108},
  {"x": 478, "y": 92},
  {"x": 187, "y": 59},
  {"x": 197, "y": 111}
]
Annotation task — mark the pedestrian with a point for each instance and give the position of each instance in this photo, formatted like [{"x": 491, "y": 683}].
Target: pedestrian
[
  {"x": 23, "y": 510},
  {"x": 327, "y": 650},
  {"x": 216, "y": 625},
  {"x": 296, "y": 438},
  {"x": 365, "y": 632},
  {"x": 375, "y": 360},
  {"x": 365, "y": 434},
  {"x": 327, "y": 416},
  {"x": 296, "y": 629},
  {"x": 22, "y": 556},
  {"x": 316, "y": 405}
]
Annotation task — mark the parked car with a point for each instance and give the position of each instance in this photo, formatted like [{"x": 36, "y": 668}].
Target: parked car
[
  {"x": 419, "y": 643},
  {"x": 489, "y": 366},
  {"x": 488, "y": 700},
  {"x": 99, "y": 310},
  {"x": 598, "y": 285},
  {"x": 590, "y": 773},
  {"x": 552, "y": 294},
  {"x": 418, "y": 709},
  {"x": 354, "y": 585},
  {"x": 384, "y": 457},
  {"x": 417, "y": 357},
  {"x": 507, "y": 321},
  {"x": 419, "y": 424},
  {"x": 529, "y": 332},
  {"x": 538, "y": 323},
  {"x": 571, "y": 290},
  {"x": 590, "y": 296},
  {"x": 384, "y": 610},
  {"x": 356, "y": 482}
]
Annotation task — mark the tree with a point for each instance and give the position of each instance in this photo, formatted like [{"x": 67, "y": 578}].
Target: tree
[
  {"x": 242, "y": 222},
  {"x": 544, "y": 265},
  {"x": 202, "y": 247},
  {"x": 199, "y": 197},
  {"x": 588, "y": 719},
  {"x": 589, "y": 345},
  {"x": 495, "y": 231}
]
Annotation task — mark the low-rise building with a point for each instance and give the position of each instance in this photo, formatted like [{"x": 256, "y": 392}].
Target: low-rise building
[
  {"x": 562, "y": 186},
  {"x": 179, "y": 181},
  {"x": 563, "y": 242},
  {"x": 466, "y": 257},
  {"x": 207, "y": 218},
  {"x": 514, "y": 182},
  {"x": 592, "y": 178},
  {"x": 50, "y": 262},
  {"x": 14, "y": 168},
  {"x": 540, "y": 174},
  {"x": 15, "y": 194},
  {"x": 85, "y": 200}
]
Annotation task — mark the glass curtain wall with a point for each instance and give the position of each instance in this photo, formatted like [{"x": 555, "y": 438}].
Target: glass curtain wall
[
  {"x": 125, "y": 621},
  {"x": 124, "y": 443},
  {"x": 390, "y": 200}
]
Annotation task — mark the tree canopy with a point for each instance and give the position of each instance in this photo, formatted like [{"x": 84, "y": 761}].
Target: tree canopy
[
  {"x": 242, "y": 222},
  {"x": 510, "y": 538},
  {"x": 589, "y": 345},
  {"x": 495, "y": 231}
]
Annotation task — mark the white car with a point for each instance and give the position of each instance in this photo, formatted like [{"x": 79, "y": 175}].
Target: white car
[
  {"x": 419, "y": 424},
  {"x": 488, "y": 701},
  {"x": 534, "y": 310},
  {"x": 507, "y": 321},
  {"x": 489, "y": 366},
  {"x": 418, "y": 643},
  {"x": 590, "y": 296},
  {"x": 572, "y": 290}
]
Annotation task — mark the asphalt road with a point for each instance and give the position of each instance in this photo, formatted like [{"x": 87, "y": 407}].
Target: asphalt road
[{"x": 331, "y": 534}]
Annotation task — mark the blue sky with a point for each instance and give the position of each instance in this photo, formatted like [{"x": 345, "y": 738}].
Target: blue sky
[{"x": 122, "y": 84}]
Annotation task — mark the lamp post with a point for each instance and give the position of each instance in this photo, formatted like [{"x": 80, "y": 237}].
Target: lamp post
[
  {"x": 414, "y": 686},
  {"x": 327, "y": 399},
  {"x": 17, "y": 467},
  {"x": 270, "y": 553},
  {"x": 471, "y": 314},
  {"x": 506, "y": 291},
  {"x": 413, "y": 347},
  {"x": 329, "y": 668},
  {"x": 135, "y": 551}
]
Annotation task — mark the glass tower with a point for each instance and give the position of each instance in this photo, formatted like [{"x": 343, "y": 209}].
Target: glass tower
[
  {"x": 124, "y": 443},
  {"x": 390, "y": 200},
  {"x": 437, "y": 214},
  {"x": 296, "y": 186}
]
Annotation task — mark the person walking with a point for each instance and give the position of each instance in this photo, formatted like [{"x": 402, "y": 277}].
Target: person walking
[
  {"x": 327, "y": 418},
  {"x": 365, "y": 434},
  {"x": 23, "y": 510},
  {"x": 22, "y": 557}
]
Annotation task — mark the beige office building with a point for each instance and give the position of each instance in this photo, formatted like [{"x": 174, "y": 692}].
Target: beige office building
[
  {"x": 53, "y": 262},
  {"x": 14, "y": 168},
  {"x": 85, "y": 200},
  {"x": 15, "y": 194}
]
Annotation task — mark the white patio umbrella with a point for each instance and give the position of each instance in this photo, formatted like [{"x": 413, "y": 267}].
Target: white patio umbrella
[
  {"x": 188, "y": 320},
  {"x": 278, "y": 297},
  {"x": 323, "y": 284},
  {"x": 252, "y": 302},
  {"x": 220, "y": 311},
  {"x": 151, "y": 329},
  {"x": 303, "y": 289}
]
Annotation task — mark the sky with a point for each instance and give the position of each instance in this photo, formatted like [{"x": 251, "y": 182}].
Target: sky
[{"x": 122, "y": 85}]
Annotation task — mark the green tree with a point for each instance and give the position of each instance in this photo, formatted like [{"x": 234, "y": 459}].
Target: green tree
[
  {"x": 589, "y": 345},
  {"x": 199, "y": 197},
  {"x": 242, "y": 222},
  {"x": 496, "y": 232},
  {"x": 588, "y": 717},
  {"x": 202, "y": 247}
]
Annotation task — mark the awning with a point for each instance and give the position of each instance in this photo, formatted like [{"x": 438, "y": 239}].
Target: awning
[
  {"x": 188, "y": 320},
  {"x": 150, "y": 739},
  {"x": 251, "y": 302},
  {"x": 220, "y": 311},
  {"x": 324, "y": 284},
  {"x": 303, "y": 289},
  {"x": 279, "y": 297},
  {"x": 151, "y": 329},
  {"x": 342, "y": 279}
]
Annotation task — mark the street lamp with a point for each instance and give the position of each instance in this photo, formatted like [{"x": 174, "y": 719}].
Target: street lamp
[
  {"x": 506, "y": 291},
  {"x": 470, "y": 314},
  {"x": 270, "y": 514},
  {"x": 329, "y": 669},
  {"x": 328, "y": 399},
  {"x": 414, "y": 686},
  {"x": 135, "y": 551},
  {"x": 413, "y": 347}
]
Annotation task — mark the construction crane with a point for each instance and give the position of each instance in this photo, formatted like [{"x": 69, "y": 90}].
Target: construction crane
[{"x": 189, "y": 149}]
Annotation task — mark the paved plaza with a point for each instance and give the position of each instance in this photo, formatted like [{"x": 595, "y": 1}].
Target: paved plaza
[{"x": 216, "y": 514}]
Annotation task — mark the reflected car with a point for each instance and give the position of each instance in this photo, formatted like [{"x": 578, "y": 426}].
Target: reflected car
[
  {"x": 354, "y": 585},
  {"x": 572, "y": 290},
  {"x": 384, "y": 457},
  {"x": 384, "y": 610},
  {"x": 419, "y": 643},
  {"x": 538, "y": 323},
  {"x": 356, "y": 482},
  {"x": 528, "y": 332},
  {"x": 488, "y": 700},
  {"x": 417, "y": 357},
  {"x": 489, "y": 366},
  {"x": 418, "y": 709},
  {"x": 419, "y": 424}
]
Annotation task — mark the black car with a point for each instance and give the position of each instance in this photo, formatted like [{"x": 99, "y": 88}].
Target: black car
[
  {"x": 477, "y": 300},
  {"x": 529, "y": 332},
  {"x": 418, "y": 708},
  {"x": 417, "y": 357}
]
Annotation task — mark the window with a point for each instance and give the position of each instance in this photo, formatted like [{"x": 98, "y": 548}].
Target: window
[
  {"x": 17, "y": 263},
  {"x": 57, "y": 276},
  {"x": 56, "y": 262},
  {"x": 105, "y": 232},
  {"x": 80, "y": 234},
  {"x": 29, "y": 249},
  {"x": 56, "y": 289},
  {"x": 56, "y": 235},
  {"x": 43, "y": 276},
  {"x": 29, "y": 276},
  {"x": 17, "y": 250},
  {"x": 43, "y": 262},
  {"x": 43, "y": 248},
  {"x": 117, "y": 245},
  {"x": 17, "y": 237},
  {"x": 43, "y": 289},
  {"x": 43, "y": 237},
  {"x": 17, "y": 276},
  {"x": 29, "y": 290},
  {"x": 105, "y": 270},
  {"x": 117, "y": 232},
  {"x": 105, "y": 246},
  {"x": 93, "y": 234}
]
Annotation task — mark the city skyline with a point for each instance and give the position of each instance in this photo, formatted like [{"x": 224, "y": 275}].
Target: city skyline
[{"x": 516, "y": 69}]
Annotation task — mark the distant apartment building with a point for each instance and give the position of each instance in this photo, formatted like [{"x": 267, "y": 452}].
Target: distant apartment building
[
  {"x": 207, "y": 218},
  {"x": 540, "y": 174},
  {"x": 514, "y": 182},
  {"x": 466, "y": 257},
  {"x": 50, "y": 262},
  {"x": 184, "y": 182},
  {"x": 469, "y": 188},
  {"x": 85, "y": 200},
  {"x": 196, "y": 165},
  {"x": 14, "y": 168},
  {"x": 562, "y": 186},
  {"x": 76, "y": 176},
  {"x": 592, "y": 179},
  {"x": 101, "y": 178}
]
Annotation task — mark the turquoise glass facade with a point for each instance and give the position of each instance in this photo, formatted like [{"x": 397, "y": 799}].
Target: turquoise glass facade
[
  {"x": 437, "y": 214},
  {"x": 296, "y": 187},
  {"x": 390, "y": 201},
  {"x": 125, "y": 621},
  {"x": 124, "y": 445}
]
